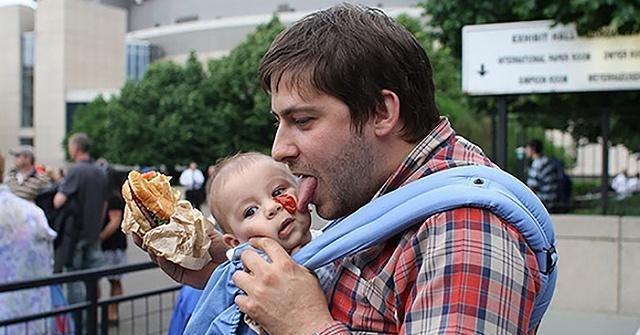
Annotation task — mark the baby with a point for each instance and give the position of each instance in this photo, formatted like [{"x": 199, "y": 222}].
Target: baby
[{"x": 251, "y": 195}]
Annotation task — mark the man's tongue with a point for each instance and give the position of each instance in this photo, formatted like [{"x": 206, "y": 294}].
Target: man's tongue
[{"x": 305, "y": 192}]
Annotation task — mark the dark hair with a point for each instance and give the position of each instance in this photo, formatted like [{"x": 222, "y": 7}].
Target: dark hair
[
  {"x": 81, "y": 141},
  {"x": 536, "y": 146},
  {"x": 352, "y": 53}
]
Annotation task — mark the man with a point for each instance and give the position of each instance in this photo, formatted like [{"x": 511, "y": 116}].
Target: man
[
  {"x": 542, "y": 176},
  {"x": 86, "y": 184},
  {"x": 353, "y": 95},
  {"x": 192, "y": 179},
  {"x": 24, "y": 180}
]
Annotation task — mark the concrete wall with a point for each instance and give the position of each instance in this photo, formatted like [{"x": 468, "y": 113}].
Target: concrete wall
[
  {"x": 14, "y": 21},
  {"x": 79, "y": 45},
  {"x": 599, "y": 264}
]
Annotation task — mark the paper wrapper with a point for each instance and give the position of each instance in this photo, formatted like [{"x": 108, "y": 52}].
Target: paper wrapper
[{"x": 184, "y": 240}]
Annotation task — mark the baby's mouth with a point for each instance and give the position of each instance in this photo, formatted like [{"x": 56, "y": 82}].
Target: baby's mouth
[{"x": 286, "y": 228}]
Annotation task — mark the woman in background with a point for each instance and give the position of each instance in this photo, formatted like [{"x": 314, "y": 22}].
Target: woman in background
[
  {"x": 114, "y": 242},
  {"x": 26, "y": 251}
]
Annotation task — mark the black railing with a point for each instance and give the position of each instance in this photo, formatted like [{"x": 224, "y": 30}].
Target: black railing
[{"x": 91, "y": 307}]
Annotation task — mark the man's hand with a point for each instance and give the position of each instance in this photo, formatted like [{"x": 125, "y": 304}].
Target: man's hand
[
  {"x": 283, "y": 296},
  {"x": 196, "y": 279}
]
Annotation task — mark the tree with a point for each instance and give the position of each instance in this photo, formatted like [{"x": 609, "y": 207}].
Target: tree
[
  {"x": 577, "y": 113},
  {"x": 450, "y": 100},
  {"x": 178, "y": 113}
]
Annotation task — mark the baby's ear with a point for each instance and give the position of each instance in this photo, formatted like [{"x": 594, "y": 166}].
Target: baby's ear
[{"x": 230, "y": 240}]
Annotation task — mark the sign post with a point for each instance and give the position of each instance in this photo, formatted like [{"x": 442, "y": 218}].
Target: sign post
[
  {"x": 538, "y": 57},
  {"x": 542, "y": 57}
]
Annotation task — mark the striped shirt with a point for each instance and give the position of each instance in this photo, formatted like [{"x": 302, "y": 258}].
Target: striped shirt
[
  {"x": 542, "y": 178},
  {"x": 29, "y": 187},
  {"x": 462, "y": 271}
]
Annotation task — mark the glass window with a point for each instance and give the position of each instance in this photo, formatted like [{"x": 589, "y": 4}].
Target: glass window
[
  {"x": 138, "y": 59},
  {"x": 26, "y": 115}
]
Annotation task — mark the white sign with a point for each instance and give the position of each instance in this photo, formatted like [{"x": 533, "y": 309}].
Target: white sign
[{"x": 538, "y": 57}]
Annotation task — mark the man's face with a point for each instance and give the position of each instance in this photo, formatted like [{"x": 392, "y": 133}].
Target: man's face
[
  {"x": 316, "y": 140},
  {"x": 22, "y": 161},
  {"x": 528, "y": 150},
  {"x": 250, "y": 207},
  {"x": 72, "y": 150}
]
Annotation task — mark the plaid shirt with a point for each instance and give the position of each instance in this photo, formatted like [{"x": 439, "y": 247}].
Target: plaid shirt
[{"x": 462, "y": 271}]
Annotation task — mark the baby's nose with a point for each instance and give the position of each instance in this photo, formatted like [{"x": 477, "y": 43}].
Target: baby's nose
[{"x": 273, "y": 209}]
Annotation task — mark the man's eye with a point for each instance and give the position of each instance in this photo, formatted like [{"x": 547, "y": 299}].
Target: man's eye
[
  {"x": 250, "y": 212},
  {"x": 302, "y": 121},
  {"x": 278, "y": 191}
]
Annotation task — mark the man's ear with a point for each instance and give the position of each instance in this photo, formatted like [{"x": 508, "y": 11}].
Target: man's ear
[
  {"x": 387, "y": 116},
  {"x": 230, "y": 240}
]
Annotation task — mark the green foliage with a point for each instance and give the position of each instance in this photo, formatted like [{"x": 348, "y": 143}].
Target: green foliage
[
  {"x": 178, "y": 113},
  {"x": 590, "y": 16},
  {"x": 449, "y": 97},
  {"x": 626, "y": 207},
  {"x": 578, "y": 113}
]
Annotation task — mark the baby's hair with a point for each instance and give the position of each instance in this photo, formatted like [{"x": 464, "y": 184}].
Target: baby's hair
[{"x": 224, "y": 168}]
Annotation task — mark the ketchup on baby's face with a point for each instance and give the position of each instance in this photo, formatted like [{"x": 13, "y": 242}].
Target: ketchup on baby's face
[{"x": 287, "y": 201}]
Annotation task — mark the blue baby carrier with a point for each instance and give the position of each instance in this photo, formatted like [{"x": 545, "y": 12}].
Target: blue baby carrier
[{"x": 391, "y": 214}]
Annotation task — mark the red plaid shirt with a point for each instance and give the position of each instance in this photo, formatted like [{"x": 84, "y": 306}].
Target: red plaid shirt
[{"x": 463, "y": 271}]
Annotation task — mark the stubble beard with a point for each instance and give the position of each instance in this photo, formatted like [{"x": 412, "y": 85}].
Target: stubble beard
[{"x": 348, "y": 179}]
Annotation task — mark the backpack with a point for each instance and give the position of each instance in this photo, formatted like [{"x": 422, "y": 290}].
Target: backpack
[
  {"x": 564, "y": 184},
  {"x": 391, "y": 214}
]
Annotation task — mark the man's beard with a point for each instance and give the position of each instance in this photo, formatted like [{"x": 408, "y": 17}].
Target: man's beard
[{"x": 347, "y": 180}]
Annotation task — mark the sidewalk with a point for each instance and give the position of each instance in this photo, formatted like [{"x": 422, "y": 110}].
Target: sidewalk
[{"x": 559, "y": 322}]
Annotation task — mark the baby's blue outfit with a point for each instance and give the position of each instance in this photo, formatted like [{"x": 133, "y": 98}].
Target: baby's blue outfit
[{"x": 389, "y": 215}]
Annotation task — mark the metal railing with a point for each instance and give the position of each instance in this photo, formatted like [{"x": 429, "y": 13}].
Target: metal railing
[{"x": 93, "y": 310}]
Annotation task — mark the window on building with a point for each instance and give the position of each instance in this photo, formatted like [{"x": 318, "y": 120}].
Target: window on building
[
  {"x": 139, "y": 56},
  {"x": 71, "y": 111},
  {"x": 26, "y": 114},
  {"x": 26, "y": 141},
  {"x": 188, "y": 18}
]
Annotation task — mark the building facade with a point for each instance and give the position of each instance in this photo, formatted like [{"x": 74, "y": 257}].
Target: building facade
[{"x": 60, "y": 54}]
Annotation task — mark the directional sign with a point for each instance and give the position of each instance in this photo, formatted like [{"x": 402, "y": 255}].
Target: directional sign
[{"x": 538, "y": 57}]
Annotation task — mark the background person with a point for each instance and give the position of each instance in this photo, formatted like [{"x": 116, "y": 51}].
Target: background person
[
  {"x": 25, "y": 180},
  {"x": 114, "y": 241},
  {"x": 86, "y": 184},
  {"x": 193, "y": 180},
  {"x": 26, "y": 253},
  {"x": 542, "y": 176}
]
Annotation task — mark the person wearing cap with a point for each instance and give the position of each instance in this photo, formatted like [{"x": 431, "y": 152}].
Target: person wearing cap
[{"x": 24, "y": 180}]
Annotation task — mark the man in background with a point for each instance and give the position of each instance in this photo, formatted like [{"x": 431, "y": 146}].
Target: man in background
[
  {"x": 542, "y": 176},
  {"x": 193, "y": 179},
  {"x": 85, "y": 184},
  {"x": 24, "y": 179}
]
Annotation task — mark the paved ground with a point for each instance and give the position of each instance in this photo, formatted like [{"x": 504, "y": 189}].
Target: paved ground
[{"x": 151, "y": 316}]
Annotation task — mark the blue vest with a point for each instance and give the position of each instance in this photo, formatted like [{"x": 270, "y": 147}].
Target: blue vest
[{"x": 393, "y": 213}]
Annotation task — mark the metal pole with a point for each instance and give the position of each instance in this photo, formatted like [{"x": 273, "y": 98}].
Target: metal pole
[
  {"x": 92, "y": 313},
  {"x": 104, "y": 320},
  {"x": 605, "y": 161},
  {"x": 501, "y": 132}
]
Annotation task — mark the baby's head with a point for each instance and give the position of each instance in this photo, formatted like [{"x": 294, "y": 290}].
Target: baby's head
[{"x": 252, "y": 195}]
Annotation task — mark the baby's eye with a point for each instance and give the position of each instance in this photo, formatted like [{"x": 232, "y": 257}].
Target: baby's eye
[
  {"x": 249, "y": 212},
  {"x": 278, "y": 191}
]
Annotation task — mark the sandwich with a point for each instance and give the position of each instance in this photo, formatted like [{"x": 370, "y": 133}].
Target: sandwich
[
  {"x": 169, "y": 227},
  {"x": 150, "y": 199}
]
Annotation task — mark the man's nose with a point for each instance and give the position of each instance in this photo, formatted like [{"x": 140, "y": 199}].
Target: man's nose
[
  {"x": 273, "y": 208},
  {"x": 284, "y": 148}
]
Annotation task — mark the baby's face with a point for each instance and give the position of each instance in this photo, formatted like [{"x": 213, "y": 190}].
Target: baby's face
[{"x": 251, "y": 202}]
